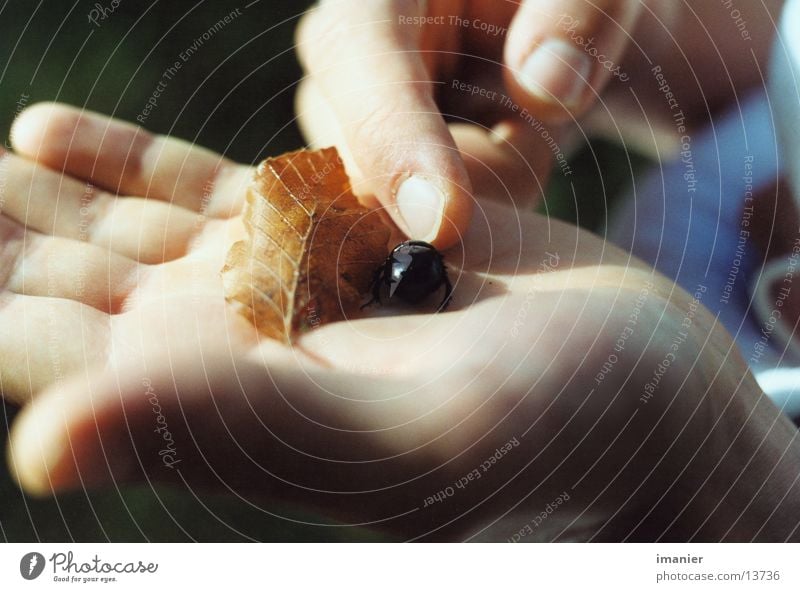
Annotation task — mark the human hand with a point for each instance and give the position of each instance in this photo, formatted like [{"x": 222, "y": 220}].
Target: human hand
[
  {"x": 513, "y": 78},
  {"x": 145, "y": 374},
  {"x": 382, "y": 73}
]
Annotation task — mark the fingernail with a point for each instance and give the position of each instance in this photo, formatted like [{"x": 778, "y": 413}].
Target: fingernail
[
  {"x": 557, "y": 72},
  {"x": 421, "y": 206}
]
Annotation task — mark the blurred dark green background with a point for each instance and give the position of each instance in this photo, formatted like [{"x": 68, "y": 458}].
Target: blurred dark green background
[
  {"x": 234, "y": 95},
  {"x": 245, "y": 73}
]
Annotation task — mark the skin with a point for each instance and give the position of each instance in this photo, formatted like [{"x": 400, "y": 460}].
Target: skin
[
  {"x": 379, "y": 86},
  {"x": 114, "y": 335}
]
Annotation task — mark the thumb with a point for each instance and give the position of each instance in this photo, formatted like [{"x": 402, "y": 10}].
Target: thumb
[
  {"x": 123, "y": 424},
  {"x": 363, "y": 61},
  {"x": 222, "y": 422},
  {"x": 562, "y": 53}
]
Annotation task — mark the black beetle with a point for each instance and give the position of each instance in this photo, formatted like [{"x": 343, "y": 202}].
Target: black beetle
[{"x": 413, "y": 271}]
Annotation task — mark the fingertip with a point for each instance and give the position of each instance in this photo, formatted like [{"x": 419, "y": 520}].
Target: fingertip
[
  {"x": 552, "y": 82},
  {"x": 561, "y": 54},
  {"x": 38, "y": 447},
  {"x": 55, "y": 444},
  {"x": 456, "y": 219},
  {"x": 556, "y": 73},
  {"x": 370, "y": 94},
  {"x": 432, "y": 208},
  {"x": 35, "y": 127}
]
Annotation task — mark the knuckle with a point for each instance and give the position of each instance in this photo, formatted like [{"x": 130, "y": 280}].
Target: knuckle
[{"x": 317, "y": 33}]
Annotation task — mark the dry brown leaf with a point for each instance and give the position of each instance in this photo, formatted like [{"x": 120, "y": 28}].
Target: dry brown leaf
[{"x": 311, "y": 248}]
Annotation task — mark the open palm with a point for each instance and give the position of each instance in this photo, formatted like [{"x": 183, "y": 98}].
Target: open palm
[{"x": 113, "y": 310}]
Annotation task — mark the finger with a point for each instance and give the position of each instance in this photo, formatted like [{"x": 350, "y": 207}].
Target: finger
[
  {"x": 126, "y": 159},
  {"x": 61, "y": 268},
  {"x": 362, "y": 449},
  {"x": 207, "y": 420},
  {"x": 561, "y": 53},
  {"x": 53, "y": 203},
  {"x": 320, "y": 128},
  {"x": 363, "y": 58},
  {"x": 44, "y": 340},
  {"x": 511, "y": 162}
]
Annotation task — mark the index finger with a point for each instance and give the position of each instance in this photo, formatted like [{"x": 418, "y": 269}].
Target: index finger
[
  {"x": 364, "y": 59},
  {"x": 127, "y": 159}
]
